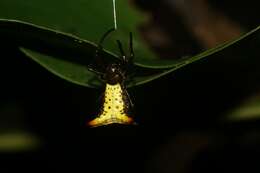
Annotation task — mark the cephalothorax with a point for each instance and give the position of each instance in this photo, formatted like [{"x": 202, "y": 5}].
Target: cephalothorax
[{"x": 116, "y": 104}]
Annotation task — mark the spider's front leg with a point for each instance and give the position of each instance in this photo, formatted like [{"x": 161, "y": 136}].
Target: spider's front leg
[{"x": 98, "y": 66}]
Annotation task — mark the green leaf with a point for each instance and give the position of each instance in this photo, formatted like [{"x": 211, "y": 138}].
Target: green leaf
[
  {"x": 72, "y": 72},
  {"x": 79, "y": 74},
  {"x": 68, "y": 45},
  {"x": 71, "y": 55},
  {"x": 249, "y": 110},
  {"x": 86, "y": 19}
]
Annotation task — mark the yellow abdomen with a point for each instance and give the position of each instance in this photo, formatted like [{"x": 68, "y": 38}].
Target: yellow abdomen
[{"x": 114, "y": 109}]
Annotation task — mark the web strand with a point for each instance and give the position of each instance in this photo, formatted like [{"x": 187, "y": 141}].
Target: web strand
[{"x": 114, "y": 10}]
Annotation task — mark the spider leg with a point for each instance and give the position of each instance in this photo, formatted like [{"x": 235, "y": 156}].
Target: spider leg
[
  {"x": 100, "y": 74},
  {"x": 121, "y": 51},
  {"x": 98, "y": 65},
  {"x": 105, "y": 35},
  {"x": 130, "y": 68},
  {"x": 127, "y": 59},
  {"x": 130, "y": 101},
  {"x": 127, "y": 98},
  {"x": 94, "y": 70},
  {"x": 127, "y": 63}
]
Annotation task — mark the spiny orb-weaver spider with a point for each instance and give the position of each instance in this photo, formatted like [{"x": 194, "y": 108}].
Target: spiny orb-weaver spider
[{"x": 116, "y": 103}]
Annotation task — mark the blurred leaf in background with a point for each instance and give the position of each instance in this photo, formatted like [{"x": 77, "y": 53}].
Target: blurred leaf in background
[
  {"x": 14, "y": 135},
  {"x": 18, "y": 142},
  {"x": 246, "y": 111}
]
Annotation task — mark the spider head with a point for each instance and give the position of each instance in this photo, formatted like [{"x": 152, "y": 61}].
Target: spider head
[{"x": 114, "y": 74}]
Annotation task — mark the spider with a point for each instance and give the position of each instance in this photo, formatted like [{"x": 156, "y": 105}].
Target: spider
[{"x": 116, "y": 103}]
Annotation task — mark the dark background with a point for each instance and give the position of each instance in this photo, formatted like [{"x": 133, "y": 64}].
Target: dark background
[{"x": 180, "y": 115}]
